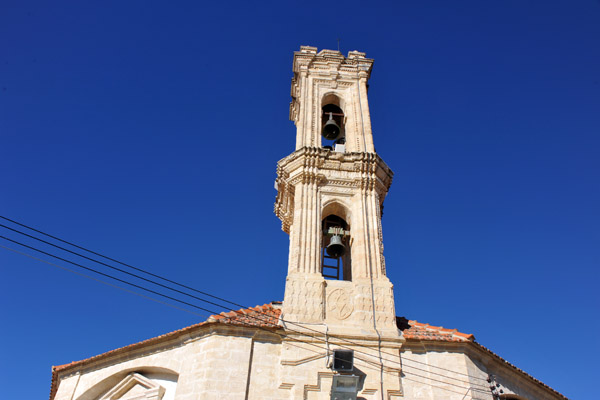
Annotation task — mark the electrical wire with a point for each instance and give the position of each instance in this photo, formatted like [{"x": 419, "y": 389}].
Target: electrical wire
[
  {"x": 439, "y": 387},
  {"x": 105, "y": 283},
  {"x": 119, "y": 262},
  {"x": 374, "y": 364},
  {"x": 212, "y": 312},
  {"x": 107, "y": 275},
  {"x": 117, "y": 269},
  {"x": 174, "y": 282},
  {"x": 187, "y": 294},
  {"x": 112, "y": 267},
  {"x": 130, "y": 291}
]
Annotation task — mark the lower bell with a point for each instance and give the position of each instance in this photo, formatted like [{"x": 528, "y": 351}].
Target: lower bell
[
  {"x": 331, "y": 130},
  {"x": 336, "y": 248}
]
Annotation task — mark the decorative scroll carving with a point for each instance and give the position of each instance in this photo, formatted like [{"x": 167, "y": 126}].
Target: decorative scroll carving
[{"x": 284, "y": 203}]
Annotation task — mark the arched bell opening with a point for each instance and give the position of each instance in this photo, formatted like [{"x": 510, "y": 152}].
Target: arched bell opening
[
  {"x": 333, "y": 121},
  {"x": 335, "y": 249}
]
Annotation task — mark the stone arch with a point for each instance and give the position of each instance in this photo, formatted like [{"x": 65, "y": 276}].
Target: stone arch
[
  {"x": 336, "y": 214},
  {"x": 332, "y": 108},
  {"x": 100, "y": 388},
  {"x": 338, "y": 208}
]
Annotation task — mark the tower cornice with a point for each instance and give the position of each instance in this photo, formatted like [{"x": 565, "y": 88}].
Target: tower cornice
[{"x": 328, "y": 169}]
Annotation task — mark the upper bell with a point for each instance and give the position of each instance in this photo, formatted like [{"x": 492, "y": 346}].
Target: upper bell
[
  {"x": 336, "y": 248},
  {"x": 331, "y": 129}
]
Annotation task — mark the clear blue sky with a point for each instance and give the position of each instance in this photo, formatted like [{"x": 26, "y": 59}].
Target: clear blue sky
[{"x": 150, "y": 131}]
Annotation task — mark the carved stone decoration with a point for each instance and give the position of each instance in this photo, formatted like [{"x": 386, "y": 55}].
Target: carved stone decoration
[
  {"x": 304, "y": 300},
  {"x": 135, "y": 387},
  {"x": 314, "y": 176},
  {"x": 384, "y": 306},
  {"x": 339, "y": 304},
  {"x": 364, "y": 305}
]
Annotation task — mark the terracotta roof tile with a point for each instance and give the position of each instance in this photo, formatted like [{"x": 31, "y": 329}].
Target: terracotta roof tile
[
  {"x": 268, "y": 316},
  {"x": 420, "y": 331},
  {"x": 265, "y": 316}
]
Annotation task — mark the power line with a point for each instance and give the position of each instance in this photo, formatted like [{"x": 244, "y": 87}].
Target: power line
[
  {"x": 120, "y": 262},
  {"x": 130, "y": 291},
  {"x": 104, "y": 283},
  {"x": 198, "y": 291},
  {"x": 107, "y": 275},
  {"x": 443, "y": 388},
  {"x": 210, "y": 311},
  {"x": 137, "y": 269},
  {"x": 139, "y": 287},
  {"x": 187, "y": 294},
  {"x": 112, "y": 267},
  {"x": 128, "y": 273}
]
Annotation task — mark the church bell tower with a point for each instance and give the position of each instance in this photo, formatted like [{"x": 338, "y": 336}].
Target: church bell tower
[{"x": 330, "y": 196}]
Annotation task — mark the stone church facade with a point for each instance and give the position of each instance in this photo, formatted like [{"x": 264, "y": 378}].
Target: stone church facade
[{"x": 335, "y": 335}]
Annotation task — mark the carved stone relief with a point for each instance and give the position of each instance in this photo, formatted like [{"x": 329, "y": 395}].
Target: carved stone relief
[
  {"x": 339, "y": 304},
  {"x": 135, "y": 387},
  {"x": 304, "y": 299}
]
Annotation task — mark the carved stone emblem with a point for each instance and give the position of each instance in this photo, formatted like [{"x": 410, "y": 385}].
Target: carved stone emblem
[{"x": 339, "y": 304}]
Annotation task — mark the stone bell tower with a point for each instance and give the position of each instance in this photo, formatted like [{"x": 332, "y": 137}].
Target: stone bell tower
[{"x": 330, "y": 196}]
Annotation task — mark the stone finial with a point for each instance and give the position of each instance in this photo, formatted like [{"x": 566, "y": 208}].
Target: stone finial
[
  {"x": 356, "y": 54},
  {"x": 331, "y": 53},
  {"x": 308, "y": 49}
]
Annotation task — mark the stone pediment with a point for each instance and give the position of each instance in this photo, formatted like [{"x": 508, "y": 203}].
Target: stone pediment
[{"x": 135, "y": 387}]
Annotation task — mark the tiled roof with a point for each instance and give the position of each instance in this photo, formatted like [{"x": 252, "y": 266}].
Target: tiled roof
[
  {"x": 268, "y": 316},
  {"x": 413, "y": 330},
  {"x": 265, "y": 316},
  {"x": 420, "y": 331}
]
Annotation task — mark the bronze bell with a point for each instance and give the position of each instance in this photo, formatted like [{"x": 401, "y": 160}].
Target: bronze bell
[
  {"x": 331, "y": 130},
  {"x": 336, "y": 248}
]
